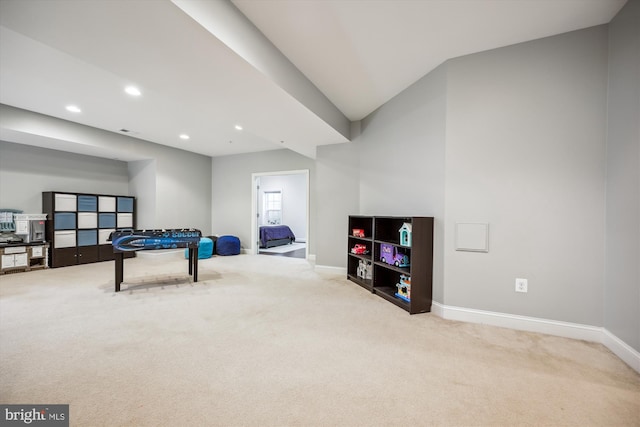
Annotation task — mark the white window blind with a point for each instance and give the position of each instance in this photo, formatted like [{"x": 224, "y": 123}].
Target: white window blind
[{"x": 273, "y": 207}]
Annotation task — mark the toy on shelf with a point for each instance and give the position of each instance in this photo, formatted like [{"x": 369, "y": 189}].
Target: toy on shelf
[
  {"x": 359, "y": 250},
  {"x": 389, "y": 254},
  {"x": 358, "y": 232},
  {"x": 405, "y": 234},
  {"x": 364, "y": 270},
  {"x": 404, "y": 288}
]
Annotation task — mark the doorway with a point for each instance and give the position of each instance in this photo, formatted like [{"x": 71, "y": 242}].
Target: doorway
[{"x": 280, "y": 211}]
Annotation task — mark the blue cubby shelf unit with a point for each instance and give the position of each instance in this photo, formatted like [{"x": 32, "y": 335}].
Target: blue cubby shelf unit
[{"x": 79, "y": 225}]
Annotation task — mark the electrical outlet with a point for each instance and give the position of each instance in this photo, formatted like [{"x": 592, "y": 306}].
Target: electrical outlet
[{"x": 521, "y": 285}]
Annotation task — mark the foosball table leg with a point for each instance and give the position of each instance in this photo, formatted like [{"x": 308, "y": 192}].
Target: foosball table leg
[
  {"x": 195, "y": 264},
  {"x": 119, "y": 269}
]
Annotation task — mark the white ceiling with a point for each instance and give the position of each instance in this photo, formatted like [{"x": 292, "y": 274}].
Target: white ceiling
[{"x": 203, "y": 68}]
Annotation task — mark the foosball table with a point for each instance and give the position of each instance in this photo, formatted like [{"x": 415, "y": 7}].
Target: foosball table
[{"x": 125, "y": 241}]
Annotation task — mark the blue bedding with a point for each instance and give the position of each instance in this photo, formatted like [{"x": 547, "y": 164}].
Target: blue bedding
[{"x": 270, "y": 233}]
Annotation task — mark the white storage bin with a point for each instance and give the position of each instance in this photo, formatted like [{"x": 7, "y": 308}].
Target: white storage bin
[
  {"x": 65, "y": 239},
  {"x": 66, "y": 202},
  {"x": 106, "y": 204},
  {"x": 22, "y": 227},
  {"x": 87, "y": 220},
  {"x": 8, "y": 261},
  {"x": 37, "y": 251},
  {"x": 125, "y": 220},
  {"x": 20, "y": 260},
  {"x": 103, "y": 235}
]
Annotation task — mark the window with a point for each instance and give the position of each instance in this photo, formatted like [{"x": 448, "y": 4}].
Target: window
[{"x": 273, "y": 207}]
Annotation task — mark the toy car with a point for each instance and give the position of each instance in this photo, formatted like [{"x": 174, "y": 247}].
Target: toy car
[
  {"x": 358, "y": 232},
  {"x": 359, "y": 249},
  {"x": 389, "y": 254}
]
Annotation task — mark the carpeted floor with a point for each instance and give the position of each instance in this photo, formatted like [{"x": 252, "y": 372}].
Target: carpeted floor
[{"x": 268, "y": 341}]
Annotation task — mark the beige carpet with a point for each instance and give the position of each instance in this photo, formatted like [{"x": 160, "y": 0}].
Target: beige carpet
[{"x": 267, "y": 341}]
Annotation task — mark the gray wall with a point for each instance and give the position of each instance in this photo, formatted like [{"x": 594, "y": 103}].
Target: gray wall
[
  {"x": 142, "y": 180},
  {"x": 232, "y": 190},
  {"x": 26, "y": 171},
  {"x": 622, "y": 276},
  {"x": 172, "y": 187},
  {"x": 401, "y": 150},
  {"x": 525, "y": 153},
  {"x": 336, "y": 191},
  {"x": 183, "y": 189}
]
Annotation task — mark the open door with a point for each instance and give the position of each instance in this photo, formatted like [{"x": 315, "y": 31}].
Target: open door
[{"x": 281, "y": 198}]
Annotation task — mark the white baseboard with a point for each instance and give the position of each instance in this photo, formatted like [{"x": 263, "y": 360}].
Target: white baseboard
[
  {"x": 621, "y": 349},
  {"x": 330, "y": 269},
  {"x": 522, "y": 323},
  {"x": 544, "y": 326}
]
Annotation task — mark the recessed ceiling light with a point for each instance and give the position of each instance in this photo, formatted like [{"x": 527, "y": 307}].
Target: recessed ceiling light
[
  {"x": 184, "y": 136},
  {"x": 238, "y": 127},
  {"x": 133, "y": 91},
  {"x": 74, "y": 109}
]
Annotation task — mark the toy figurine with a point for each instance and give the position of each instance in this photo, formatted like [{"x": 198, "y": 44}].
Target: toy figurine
[
  {"x": 405, "y": 234},
  {"x": 404, "y": 288},
  {"x": 364, "y": 270}
]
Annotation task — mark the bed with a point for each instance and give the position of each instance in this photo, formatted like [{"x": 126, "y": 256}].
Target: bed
[{"x": 275, "y": 235}]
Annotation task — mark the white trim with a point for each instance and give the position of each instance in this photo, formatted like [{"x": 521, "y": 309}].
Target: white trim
[
  {"x": 544, "y": 326},
  {"x": 438, "y": 309},
  {"x": 330, "y": 269},
  {"x": 621, "y": 349},
  {"x": 522, "y": 323}
]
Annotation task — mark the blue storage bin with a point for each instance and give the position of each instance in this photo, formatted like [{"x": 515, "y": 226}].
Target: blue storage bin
[
  {"x": 87, "y": 203},
  {"x": 64, "y": 221},
  {"x": 205, "y": 249},
  {"x": 87, "y": 237},
  {"x": 125, "y": 204},
  {"x": 107, "y": 220}
]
